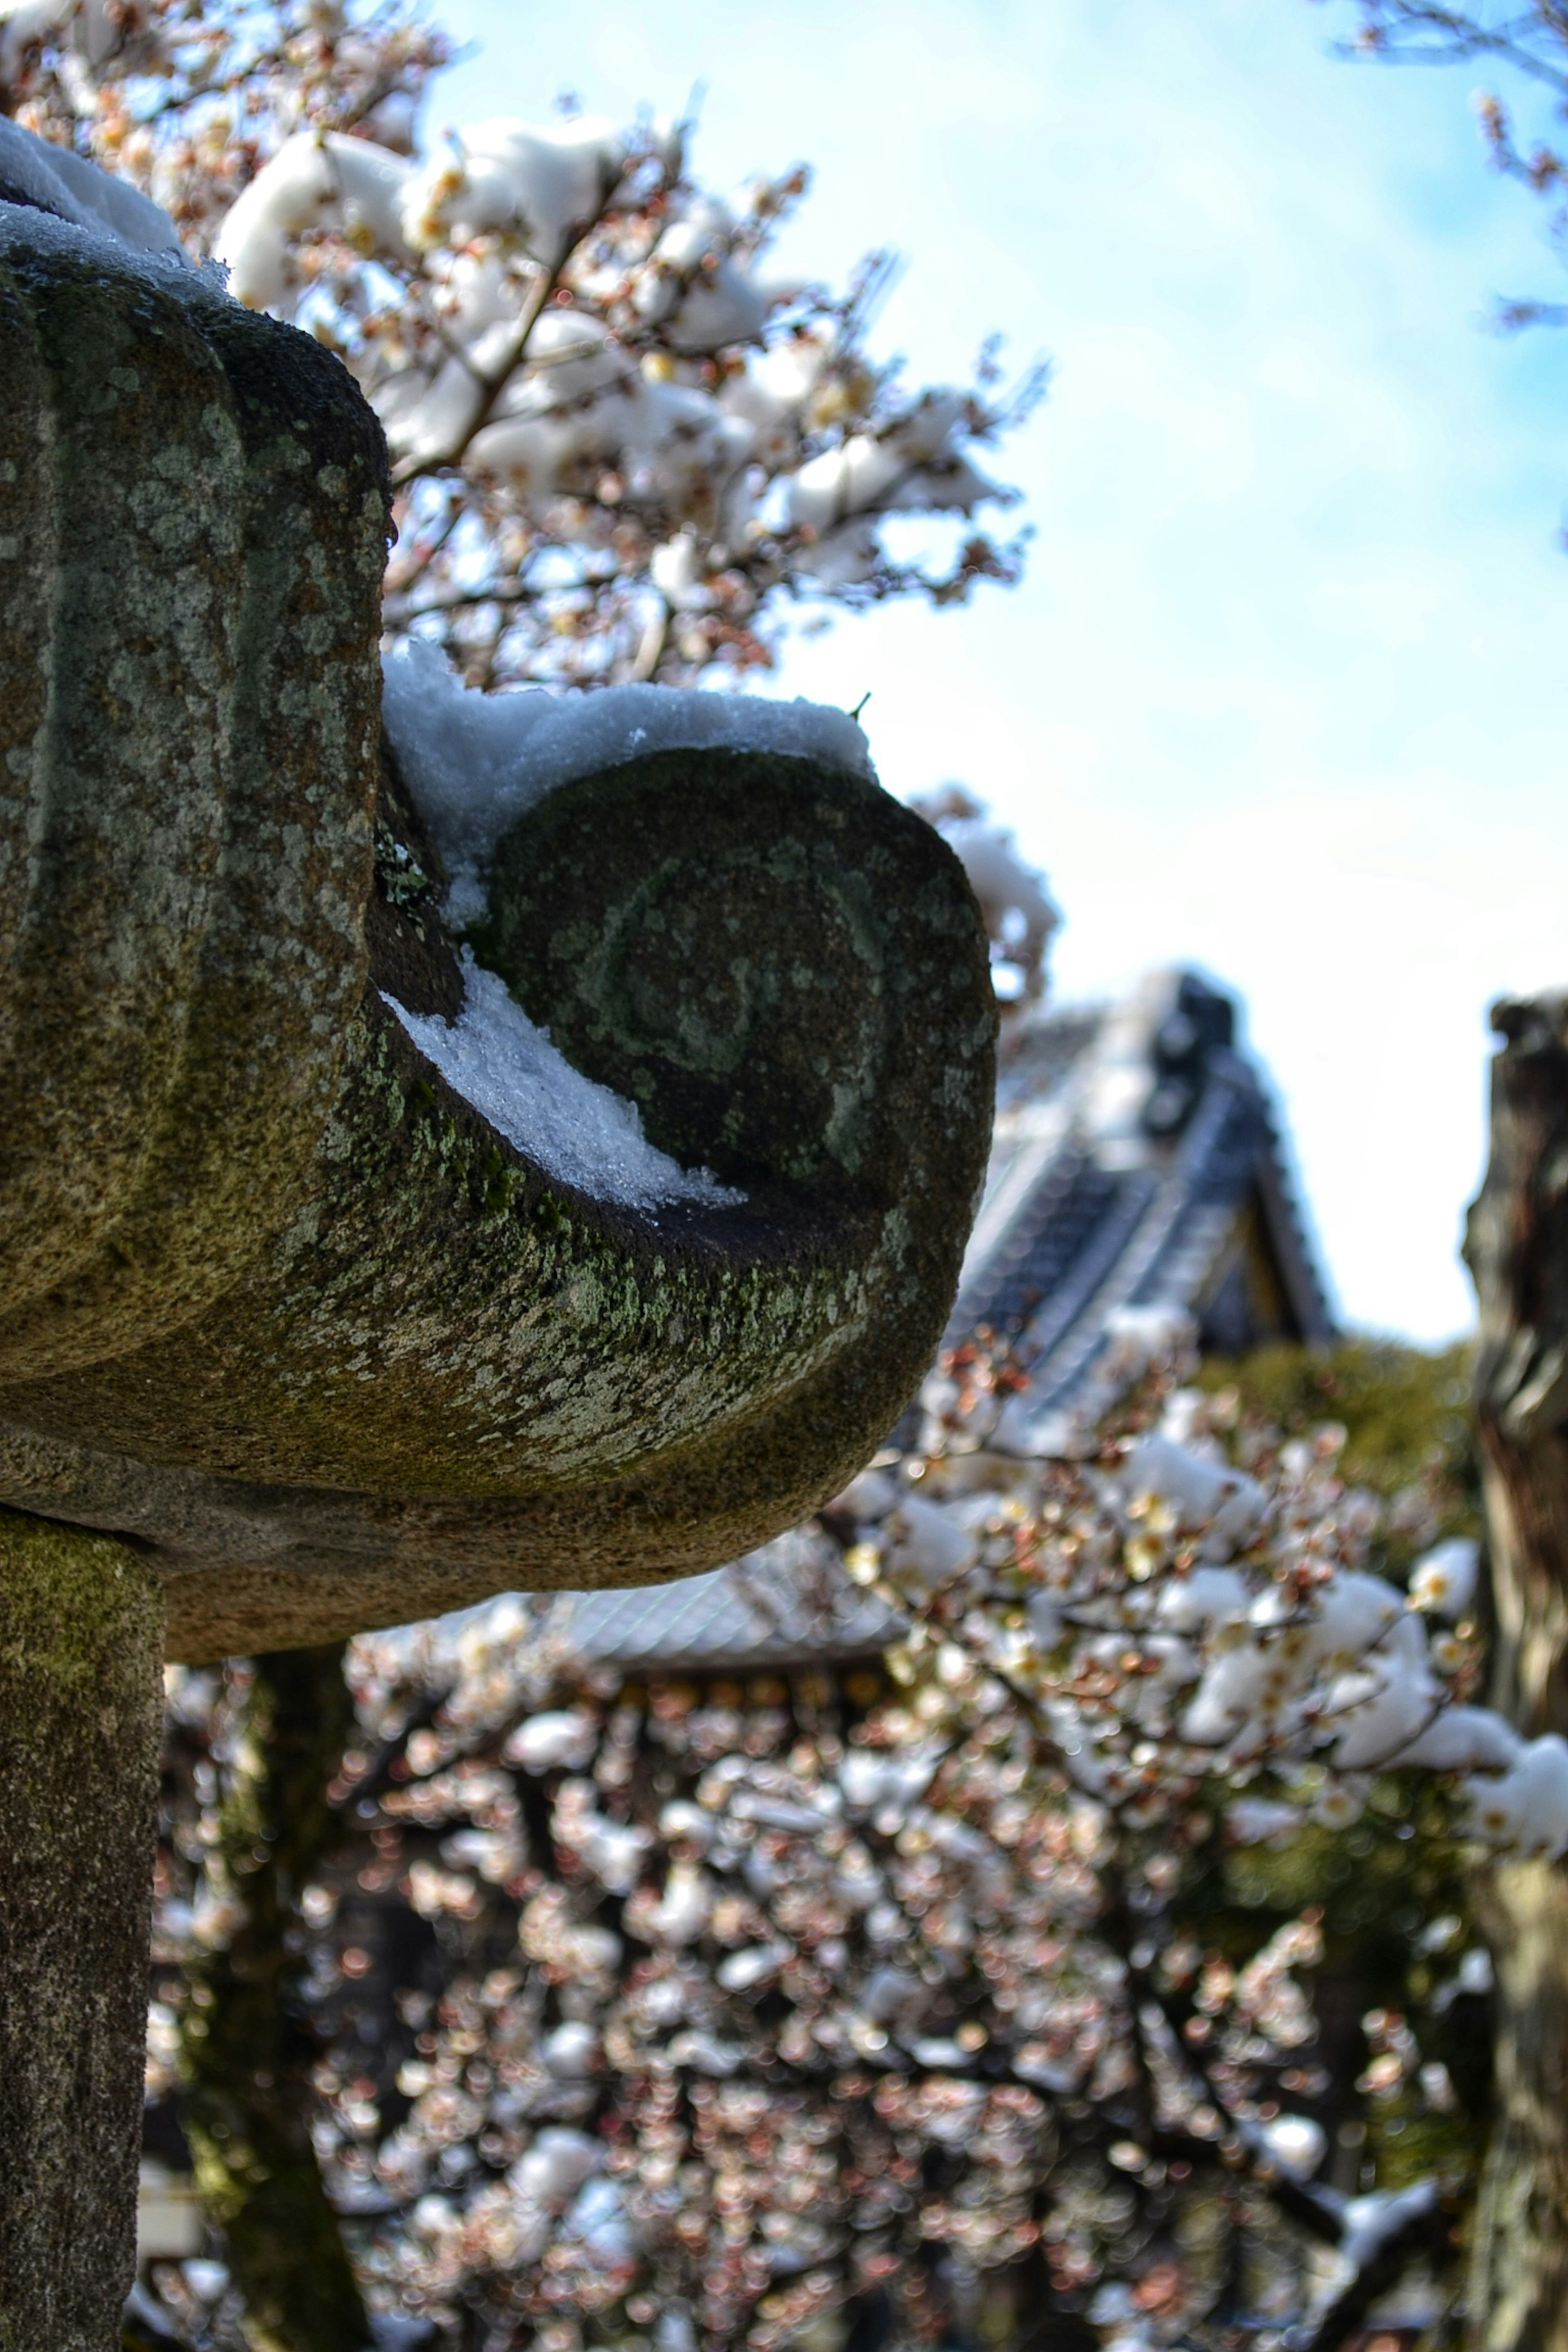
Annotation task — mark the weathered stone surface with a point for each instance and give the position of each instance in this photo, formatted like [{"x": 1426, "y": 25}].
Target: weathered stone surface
[
  {"x": 275, "y": 1302},
  {"x": 80, "y": 1716},
  {"x": 194, "y": 507},
  {"x": 451, "y": 1372}
]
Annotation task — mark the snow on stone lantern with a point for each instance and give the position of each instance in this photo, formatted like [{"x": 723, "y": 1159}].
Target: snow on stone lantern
[{"x": 530, "y": 1146}]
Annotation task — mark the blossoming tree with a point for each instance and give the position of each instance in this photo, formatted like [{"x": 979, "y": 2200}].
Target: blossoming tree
[
  {"x": 883, "y": 2004},
  {"x": 625, "y": 442},
  {"x": 744, "y": 2015},
  {"x": 1527, "y": 47}
]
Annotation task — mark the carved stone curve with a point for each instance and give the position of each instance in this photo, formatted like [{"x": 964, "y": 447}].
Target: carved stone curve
[{"x": 276, "y": 1304}]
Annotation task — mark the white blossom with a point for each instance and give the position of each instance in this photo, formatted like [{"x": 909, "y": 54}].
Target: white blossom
[
  {"x": 1524, "y": 1809},
  {"x": 1444, "y": 1579}
]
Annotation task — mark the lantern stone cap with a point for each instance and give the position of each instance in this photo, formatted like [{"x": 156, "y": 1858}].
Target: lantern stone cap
[{"x": 526, "y": 1141}]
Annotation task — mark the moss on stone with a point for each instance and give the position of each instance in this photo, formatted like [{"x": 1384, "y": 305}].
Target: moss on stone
[
  {"x": 334, "y": 1348},
  {"x": 455, "y": 1372},
  {"x": 188, "y": 730}
]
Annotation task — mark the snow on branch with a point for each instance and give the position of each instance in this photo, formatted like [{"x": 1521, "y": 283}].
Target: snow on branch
[
  {"x": 627, "y": 441},
  {"x": 765, "y": 1995}
]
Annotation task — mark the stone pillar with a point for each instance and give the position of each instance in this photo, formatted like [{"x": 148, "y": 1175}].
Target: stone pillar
[{"x": 81, "y": 1647}]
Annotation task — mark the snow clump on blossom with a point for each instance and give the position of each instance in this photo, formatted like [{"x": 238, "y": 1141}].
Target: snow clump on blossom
[
  {"x": 1019, "y": 916},
  {"x": 578, "y": 327},
  {"x": 542, "y": 184},
  {"x": 316, "y": 180},
  {"x": 1249, "y": 1632},
  {"x": 559, "y": 1737},
  {"x": 535, "y": 186},
  {"x": 1523, "y": 1808},
  {"x": 1444, "y": 1581}
]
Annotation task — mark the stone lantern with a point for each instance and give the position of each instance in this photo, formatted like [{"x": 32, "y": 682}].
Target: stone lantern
[{"x": 299, "y": 1333}]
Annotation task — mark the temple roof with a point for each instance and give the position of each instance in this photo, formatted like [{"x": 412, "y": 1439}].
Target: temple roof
[
  {"x": 1137, "y": 1167},
  {"x": 1136, "y": 1163}
]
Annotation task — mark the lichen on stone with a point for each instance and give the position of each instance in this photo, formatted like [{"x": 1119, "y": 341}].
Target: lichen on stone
[{"x": 280, "y": 1302}]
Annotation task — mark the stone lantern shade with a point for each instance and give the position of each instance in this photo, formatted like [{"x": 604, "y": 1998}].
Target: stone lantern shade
[
  {"x": 305, "y": 1325},
  {"x": 280, "y": 1303}
]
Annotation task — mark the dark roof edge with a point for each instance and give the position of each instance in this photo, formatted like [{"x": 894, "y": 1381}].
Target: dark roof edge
[
  {"x": 1281, "y": 1195},
  {"x": 799, "y": 1657},
  {"x": 1293, "y": 1254}
]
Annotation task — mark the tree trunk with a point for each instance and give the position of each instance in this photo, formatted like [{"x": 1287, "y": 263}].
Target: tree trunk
[
  {"x": 1518, "y": 2280},
  {"x": 249, "y": 2046},
  {"x": 1517, "y": 1249},
  {"x": 81, "y": 1626}
]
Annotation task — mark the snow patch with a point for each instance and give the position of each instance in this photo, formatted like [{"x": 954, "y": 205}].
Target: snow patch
[
  {"x": 494, "y": 1057},
  {"x": 53, "y": 200},
  {"x": 476, "y": 763},
  {"x": 1370, "y": 2222},
  {"x": 51, "y": 179}
]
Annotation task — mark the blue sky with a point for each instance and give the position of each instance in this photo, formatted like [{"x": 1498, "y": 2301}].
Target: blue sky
[{"x": 1282, "y": 694}]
